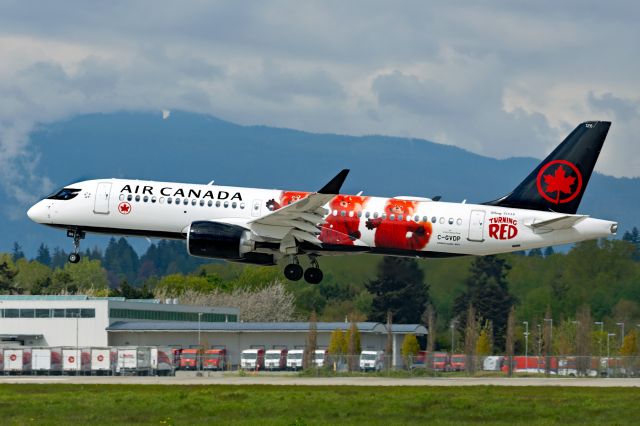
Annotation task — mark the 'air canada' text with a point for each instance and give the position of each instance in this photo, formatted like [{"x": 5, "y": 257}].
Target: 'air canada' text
[{"x": 168, "y": 191}]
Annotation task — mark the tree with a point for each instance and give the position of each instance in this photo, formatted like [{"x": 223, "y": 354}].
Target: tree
[
  {"x": 634, "y": 238},
  {"x": 121, "y": 261},
  {"x": 337, "y": 343},
  {"x": 268, "y": 304},
  {"x": 630, "y": 344},
  {"x": 44, "y": 256},
  {"x": 7, "y": 274},
  {"x": 511, "y": 331},
  {"x": 399, "y": 288},
  {"x": 353, "y": 346},
  {"x": 17, "y": 252},
  {"x": 483, "y": 344},
  {"x": 583, "y": 339},
  {"x": 410, "y": 348},
  {"x": 547, "y": 328},
  {"x": 488, "y": 292},
  {"x": 388, "y": 350},
  {"x": 471, "y": 339},
  {"x": 429, "y": 319},
  {"x": 312, "y": 339},
  {"x": 29, "y": 273},
  {"x": 87, "y": 274}
]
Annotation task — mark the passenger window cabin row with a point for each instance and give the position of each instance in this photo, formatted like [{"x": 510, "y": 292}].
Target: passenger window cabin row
[{"x": 233, "y": 204}]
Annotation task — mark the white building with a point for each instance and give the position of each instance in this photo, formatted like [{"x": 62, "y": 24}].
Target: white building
[
  {"x": 114, "y": 321},
  {"x": 83, "y": 321}
]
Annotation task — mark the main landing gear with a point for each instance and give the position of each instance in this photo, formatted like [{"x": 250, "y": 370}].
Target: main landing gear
[
  {"x": 312, "y": 275},
  {"x": 77, "y": 235}
]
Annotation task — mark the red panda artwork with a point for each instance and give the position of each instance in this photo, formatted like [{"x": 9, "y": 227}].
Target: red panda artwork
[
  {"x": 342, "y": 227},
  {"x": 395, "y": 231},
  {"x": 286, "y": 198}
]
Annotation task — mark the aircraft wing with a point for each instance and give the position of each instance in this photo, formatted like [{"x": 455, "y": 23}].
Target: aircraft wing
[
  {"x": 298, "y": 221},
  {"x": 562, "y": 222}
]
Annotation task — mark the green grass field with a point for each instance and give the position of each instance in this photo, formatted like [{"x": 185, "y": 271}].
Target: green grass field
[{"x": 298, "y": 405}]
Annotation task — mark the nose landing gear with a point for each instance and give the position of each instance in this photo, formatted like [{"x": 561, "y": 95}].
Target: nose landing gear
[
  {"x": 77, "y": 235},
  {"x": 293, "y": 271}
]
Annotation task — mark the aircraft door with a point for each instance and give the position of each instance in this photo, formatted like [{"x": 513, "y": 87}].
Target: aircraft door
[
  {"x": 476, "y": 225},
  {"x": 256, "y": 207},
  {"x": 103, "y": 193}
]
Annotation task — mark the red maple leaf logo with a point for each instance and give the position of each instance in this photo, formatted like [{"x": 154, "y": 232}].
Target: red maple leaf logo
[
  {"x": 559, "y": 182},
  {"x": 124, "y": 208}
]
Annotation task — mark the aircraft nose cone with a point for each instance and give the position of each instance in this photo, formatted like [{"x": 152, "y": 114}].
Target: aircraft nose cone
[{"x": 38, "y": 213}]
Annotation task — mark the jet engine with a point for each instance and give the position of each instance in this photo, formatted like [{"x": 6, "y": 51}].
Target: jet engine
[{"x": 224, "y": 241}]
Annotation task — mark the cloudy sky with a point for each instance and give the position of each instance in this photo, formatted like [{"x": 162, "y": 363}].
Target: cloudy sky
[{"x": 499, "y": 78}]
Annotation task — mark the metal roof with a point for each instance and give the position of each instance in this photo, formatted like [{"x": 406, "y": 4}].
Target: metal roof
[
  {"x": 363, "y": 327},
  {"x": 57, "y": 297}
]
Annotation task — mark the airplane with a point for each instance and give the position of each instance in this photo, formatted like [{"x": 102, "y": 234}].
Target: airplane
[{"x": 264, "y": 226}]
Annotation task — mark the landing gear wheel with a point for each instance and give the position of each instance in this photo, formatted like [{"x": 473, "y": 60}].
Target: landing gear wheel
[
  {"x": 74, "y": 258},
  {"x": 313, "y": 275},
  {"x": 77, "y": 235},
  {"x": 293, "y": 272}
]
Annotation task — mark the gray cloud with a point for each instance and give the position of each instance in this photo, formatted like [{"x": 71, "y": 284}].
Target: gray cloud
[{"x": 499, "y": 78}]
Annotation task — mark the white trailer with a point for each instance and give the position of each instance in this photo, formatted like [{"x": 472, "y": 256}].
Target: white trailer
[
  {"x": 76, "y": 360},
  {"x": 46, "y": 360},
  {"x": 101, "y": 361},
  {"x": 134, "y": 360},
  {"x": 17, "y": 360}
]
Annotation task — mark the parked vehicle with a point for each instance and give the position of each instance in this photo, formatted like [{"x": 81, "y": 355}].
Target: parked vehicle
[
  {"x": 438, "y": 361},
  {"x": 371, "y": 360},
  {"x": 135, "y": 360},
  {"x": 252, "y": 359},
  {"x": 102, "y": 360},
  {"x": 76, "y": 360},
  {"x": 320, "y": 357},
  {"x": 295, "y": 358},
  {"x": 162, "y": 361},
  {"x": 17, "y": 360},
  {"x": 46, "y": 360},
  {"x": 530, "y": 364},
  {"x": 418, "y": 360},
  {"x": 492, "y": 363},
  {"x": 215, "y": 359},
  {"x": 275, "y": 359},
  {"x": 458, "y": 362},
  {"x": 190, "y": 359}
]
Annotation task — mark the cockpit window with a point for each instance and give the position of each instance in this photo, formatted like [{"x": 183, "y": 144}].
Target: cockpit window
[{"x": 64, "y": 194}]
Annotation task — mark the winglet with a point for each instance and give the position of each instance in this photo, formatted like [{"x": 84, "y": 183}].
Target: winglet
[{"x": 334, "y": 185}]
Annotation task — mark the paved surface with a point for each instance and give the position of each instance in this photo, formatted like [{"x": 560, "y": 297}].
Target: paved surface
[{"x": 218, "y": 379}]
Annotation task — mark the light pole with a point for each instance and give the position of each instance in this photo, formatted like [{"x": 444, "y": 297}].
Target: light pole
[
  {"x": 199, "y": 361},
  {"x": 608, "y": 335},
  {"x": 621, "y": 324},
  {"x": 601, "y": 324},
  {"x": 550, "y": 349},
  {"x": 526, "y": 342},
  {"x": 453, "y": 327}
]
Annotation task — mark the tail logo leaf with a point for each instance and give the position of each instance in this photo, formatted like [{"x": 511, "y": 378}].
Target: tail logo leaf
[{"x": 559, "y": 181}]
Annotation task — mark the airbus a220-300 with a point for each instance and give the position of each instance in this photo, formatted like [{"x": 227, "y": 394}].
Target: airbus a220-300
[{"x": 266, "y": 226}]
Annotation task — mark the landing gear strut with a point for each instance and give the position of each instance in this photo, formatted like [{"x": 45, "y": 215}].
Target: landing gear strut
[{"x": 77, "y": 235}]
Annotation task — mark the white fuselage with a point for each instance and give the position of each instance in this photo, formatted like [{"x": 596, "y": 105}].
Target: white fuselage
[{"x": 167, "y": 209}]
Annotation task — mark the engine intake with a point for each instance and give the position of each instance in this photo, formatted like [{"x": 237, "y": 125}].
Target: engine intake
[{"x": 224, "y": 241}]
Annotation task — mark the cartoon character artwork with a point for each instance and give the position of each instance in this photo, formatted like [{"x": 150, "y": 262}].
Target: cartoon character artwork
[
  {"x": 287, "y": 197},
  {"x": 341, "y": 226},
  {"x": 395, "y": 231}
]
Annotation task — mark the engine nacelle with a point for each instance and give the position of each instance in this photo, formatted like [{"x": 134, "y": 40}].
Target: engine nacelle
[{"x": 224, "y": 241}]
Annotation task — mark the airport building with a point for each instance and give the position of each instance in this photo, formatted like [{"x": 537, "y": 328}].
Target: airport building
[{"x": 83, "y": 321}]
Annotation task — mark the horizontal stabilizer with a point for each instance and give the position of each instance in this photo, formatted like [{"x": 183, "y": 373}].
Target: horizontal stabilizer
[{"x": 562, "y": 222}]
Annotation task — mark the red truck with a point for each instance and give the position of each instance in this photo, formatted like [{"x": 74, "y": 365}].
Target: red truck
[
  {"x": 530, "y": 364},
  {"x": 214, "y": 359},
  {"x": 458, "y": 362},
  {"x": 190, "y": 359}
]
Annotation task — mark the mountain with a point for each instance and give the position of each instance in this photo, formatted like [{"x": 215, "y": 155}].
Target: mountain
[{"x": 191, "y": 147}]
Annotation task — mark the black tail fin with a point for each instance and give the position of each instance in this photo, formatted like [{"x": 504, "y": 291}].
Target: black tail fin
[{"x": 557, "y": 184}]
